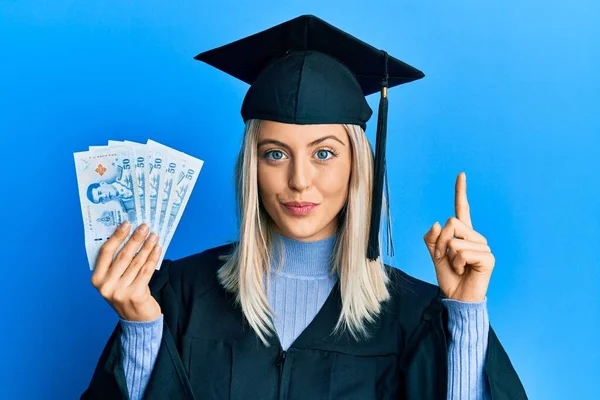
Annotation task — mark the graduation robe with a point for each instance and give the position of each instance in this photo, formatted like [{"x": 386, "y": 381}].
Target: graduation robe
[{"x": 208, "y": 351}]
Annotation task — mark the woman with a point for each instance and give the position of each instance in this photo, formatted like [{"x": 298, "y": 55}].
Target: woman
[{"x": 301, "y": 306}]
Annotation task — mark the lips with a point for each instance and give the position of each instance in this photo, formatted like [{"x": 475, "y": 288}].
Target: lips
[
  {"x": 299, "y": 208},
  {"x": 299, "y": 204}
]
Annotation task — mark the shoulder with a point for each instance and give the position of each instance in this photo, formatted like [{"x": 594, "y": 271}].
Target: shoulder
[
  {"x": 412, "y": 299},
  {"x": 410, "y": 288},
  {"x": 193, "y": 274}
]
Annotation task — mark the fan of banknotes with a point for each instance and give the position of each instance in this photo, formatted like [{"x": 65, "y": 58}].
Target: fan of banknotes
[{"x": 128, "y": 181}]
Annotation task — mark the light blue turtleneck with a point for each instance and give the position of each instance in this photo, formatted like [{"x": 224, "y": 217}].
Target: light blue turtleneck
[
  {"x": 296, "y": 295},
  {"x": 299, "y": 290}
]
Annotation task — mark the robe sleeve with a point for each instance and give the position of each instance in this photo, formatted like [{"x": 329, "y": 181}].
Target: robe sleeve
[
  {"x": 168, "y": 378},
  {"x": 424, "y": 364}
]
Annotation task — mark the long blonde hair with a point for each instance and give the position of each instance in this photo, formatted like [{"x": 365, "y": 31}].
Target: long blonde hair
[{"x": 363, "y": 283}]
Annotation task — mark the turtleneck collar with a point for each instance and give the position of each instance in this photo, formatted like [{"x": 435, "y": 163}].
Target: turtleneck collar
[{"x": 303, "y": 258}]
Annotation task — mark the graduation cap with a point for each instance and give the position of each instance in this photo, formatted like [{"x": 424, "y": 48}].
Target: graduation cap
[{"x": 307, "y": 71}]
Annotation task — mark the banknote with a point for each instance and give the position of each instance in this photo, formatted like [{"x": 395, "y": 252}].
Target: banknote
[
  {"x": 140, "y": 152},
  {"x": 171, "y": 168},
  {"x": 183, "y": 189},
  {"x": 154, "y": 182},
  {"x": 128, "y": 181},
  {"x": 106, "y": 195},
  {"x": 128, "y": 164}
]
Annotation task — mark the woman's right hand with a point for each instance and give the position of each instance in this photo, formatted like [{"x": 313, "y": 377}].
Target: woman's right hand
[{"x": 124, "y": 281}]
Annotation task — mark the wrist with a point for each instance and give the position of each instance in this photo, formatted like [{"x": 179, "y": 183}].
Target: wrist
[{"x": 147, "y": 313}]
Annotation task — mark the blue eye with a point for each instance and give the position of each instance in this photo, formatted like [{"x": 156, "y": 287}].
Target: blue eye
[
  {"x": 277, "y": 154},
  {"x": 323, "y": 152}
]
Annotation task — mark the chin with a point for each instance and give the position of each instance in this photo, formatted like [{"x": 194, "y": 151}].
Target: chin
[{"x": 303, "y": 230}]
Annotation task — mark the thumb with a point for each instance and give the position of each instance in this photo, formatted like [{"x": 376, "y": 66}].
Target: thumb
[{"x": 431, "y": 238}]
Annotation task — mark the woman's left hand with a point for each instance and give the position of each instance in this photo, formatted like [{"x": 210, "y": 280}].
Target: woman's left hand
[{"x": 464, "y": 272}]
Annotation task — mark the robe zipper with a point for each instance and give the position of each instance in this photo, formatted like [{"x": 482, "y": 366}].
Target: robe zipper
[{"x": 280, "y": 363}]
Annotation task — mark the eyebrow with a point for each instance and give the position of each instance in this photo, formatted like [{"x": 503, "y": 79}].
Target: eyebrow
[{"x": 313, "y": 143}]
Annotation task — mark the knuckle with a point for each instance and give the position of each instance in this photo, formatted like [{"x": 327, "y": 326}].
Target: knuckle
[
  {"x": 154, "y": 257},
  {"x": 151, "y": 267},
  {"x": 149, "y": 244},
  {"x": 105, "y": 248},
  {"x": 453, "y": 243},
  {"x": 137, "y": 297},
  {"x": 95, "y": 280},
  {"x": 135, "y": 263},
  {"x": 120, "y": 256},
  {"x": 148, "y": 270},
  {"x": 105, "y": 292},
  {"x": 142, "y": 251},
  {"x": 120, "y": 296}
]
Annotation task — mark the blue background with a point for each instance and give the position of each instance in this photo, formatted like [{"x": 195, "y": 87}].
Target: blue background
[{"x": 511, "y": 96}]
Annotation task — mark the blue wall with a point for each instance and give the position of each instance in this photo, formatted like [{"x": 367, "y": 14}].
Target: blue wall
[{"x": 511, "y": 96}]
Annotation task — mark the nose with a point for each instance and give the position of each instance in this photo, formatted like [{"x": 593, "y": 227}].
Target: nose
[{"x": 299, "y": 174}]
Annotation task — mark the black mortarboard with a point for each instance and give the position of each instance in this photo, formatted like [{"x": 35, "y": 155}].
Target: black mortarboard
[{"x": 307, "y": 71}]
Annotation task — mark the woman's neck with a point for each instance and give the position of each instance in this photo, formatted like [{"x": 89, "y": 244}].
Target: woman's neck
[{"x": 303, "y": 258}]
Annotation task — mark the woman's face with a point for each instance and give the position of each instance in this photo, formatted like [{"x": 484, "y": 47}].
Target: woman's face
[{"x": 305, "y": 164}]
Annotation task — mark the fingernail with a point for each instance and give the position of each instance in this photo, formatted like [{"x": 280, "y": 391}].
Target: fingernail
[
  {"x": 143, "y": 228},
  {"x": 125, "y": 225},
  {"x": 438, "y": 253},
  {"x": 153, "y": 236},
  {"x": 157, "y": 249}
]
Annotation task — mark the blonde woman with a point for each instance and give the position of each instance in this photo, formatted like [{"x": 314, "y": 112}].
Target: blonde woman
[{"x": 301, "y": 306}]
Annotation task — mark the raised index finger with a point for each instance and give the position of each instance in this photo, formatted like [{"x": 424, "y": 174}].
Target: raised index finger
[{"x": 461, "y": 205}]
